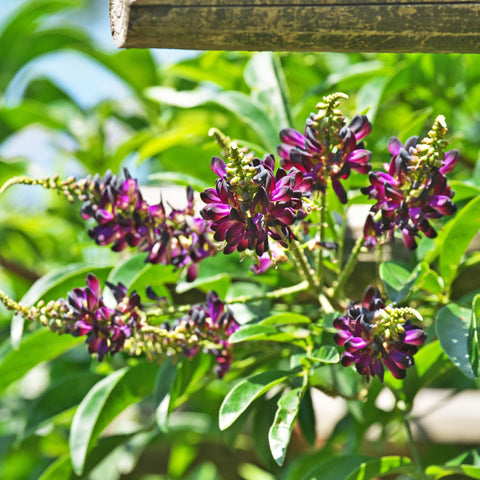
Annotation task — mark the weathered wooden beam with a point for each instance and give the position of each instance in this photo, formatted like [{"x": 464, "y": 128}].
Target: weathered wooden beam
[{"x": 442, "y": 26}]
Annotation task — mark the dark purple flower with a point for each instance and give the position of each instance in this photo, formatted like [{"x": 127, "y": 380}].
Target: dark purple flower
[
  {"x": 204, "y": 329},
  {"x": 125, "y": 219},
  {"x": 329, "y": 149},
  {"x": 413, "y": 191},
  {"x": 106, "y": 328},
  {"x": 376, "y": 336},
  {"x": 251, "y": 203}
]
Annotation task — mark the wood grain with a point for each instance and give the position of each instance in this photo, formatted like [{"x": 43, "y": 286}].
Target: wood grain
[{"x": 440, "y": 26}]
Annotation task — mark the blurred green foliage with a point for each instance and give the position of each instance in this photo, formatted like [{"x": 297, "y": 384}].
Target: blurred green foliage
[{"x": 162, "y": 127}]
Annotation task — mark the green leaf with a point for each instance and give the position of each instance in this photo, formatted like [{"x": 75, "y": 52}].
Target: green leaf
[
  {"x": 245, "y": 392},
  {"x": 472, "y": 339},
  {"x": 398, "y": 280},
  {"x": 461, "y": 231},
  {"x": 40, "y": 346},
  {"x": 306, "y": 419},
  {"x": 163, "y": 385},
  {"x": 178, "y": 179},
  {"x": 261, "y": 332},
  {"x": 435, "y": 472},
  {"x": 325, "y": 354},
  {"x": 61, "y": 469},
  {"x": 252, "y": 113},
  {"x": 264, "y": 75},
  {"x": 287, "y": 318},
  {"x": 135, "y": 274},
  {"x": 335, "y": 468},
  {"x": 382, "y": 466},
  {"x": 452, "y": 325},
  {"x": 62, "y": 395},
  {"x": 53, "y": 286},
  {"x": 430, "y": 363},
  {"x": 281, "y": 429},
  {"x": 103, "y": 403},
  {"x": 220, "y": 283},
  {"x": 370, "y": 95}
]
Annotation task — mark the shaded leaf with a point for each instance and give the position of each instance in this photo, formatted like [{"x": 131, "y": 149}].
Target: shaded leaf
[
  {"x": 281, "y": 429},
  {"x": 62, "y": 395},
  {"x": 380, "y": 467},
  {"x": 453, "y": 325},
  {"x": 335, "y": 468},
  {"x": 163, "y": 385},
  {"x": 103, "y": 403},
  {"x": 53, "y": 286},
  {"x": 37, "y": 347},
  {"x": 245, "y": 392},
  {"x": 461, "y": 231},
  {"x": 398, "y": 280},
  {"x": 439, "y": 471},
  {"x": 472, "y": 340}
]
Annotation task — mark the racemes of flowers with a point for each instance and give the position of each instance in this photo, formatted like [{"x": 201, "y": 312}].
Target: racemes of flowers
[
  {"x": 376, "y": 336},
  {"x": 125, "y": 324},
  {"x": 329, "y": 148},
  {"x": 413, "y": 190},
  {"x": 264, "y": 211}
]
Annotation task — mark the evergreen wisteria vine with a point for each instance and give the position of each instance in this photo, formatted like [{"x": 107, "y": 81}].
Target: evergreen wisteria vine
[{"x": 276, "y": 216}]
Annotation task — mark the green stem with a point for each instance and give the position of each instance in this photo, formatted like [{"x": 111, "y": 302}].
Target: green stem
[
  {"x": 23, "y": 180},
  {"x": 415, "y": 455},
  {"x": 281, "y": 292},
  {"x": 346, "y": 272},
  {"x": 304, "y": 266},
  {"x": 12, "y": 304},
  {"x": 323, "y": 205}
]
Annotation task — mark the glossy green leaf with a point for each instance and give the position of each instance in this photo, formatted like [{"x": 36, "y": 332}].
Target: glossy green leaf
[
  {"x": 103, "y": 403},
  {"x": 281, "y": 429},
  {"x": 453, "y": 325},
  {"x": 163, "y": 385},
  {"x": 461, "y": 231},
  {"x": 383, "y": 466},
  {"x": 37, "y": 347},
  {"x": 287, "y": 318},
  {"x": 435, "y": 472},
  {"x": 53, "y": 286},
  {"x": 398, "y": 280},
  {"x": 245, "y": 392}
]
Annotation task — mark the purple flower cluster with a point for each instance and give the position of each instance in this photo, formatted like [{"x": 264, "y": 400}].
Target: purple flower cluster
[
  {"x": 414, "y": 189},
  {"x": 106, "y": 328},
  {"x": 329, "y": 149},
  {"x": 252, "y": 203},
  {"x": 204, "y": 329},
  {"x": 124, "y": 219},
  {"x": 377, "y": 336},
  {"x": 213, "y": 323}
]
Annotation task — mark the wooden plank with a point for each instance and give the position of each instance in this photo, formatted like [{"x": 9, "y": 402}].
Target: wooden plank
[{"x": 440, "y": 26}]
